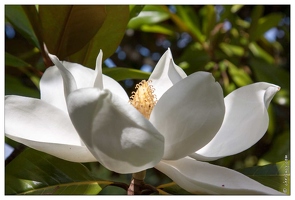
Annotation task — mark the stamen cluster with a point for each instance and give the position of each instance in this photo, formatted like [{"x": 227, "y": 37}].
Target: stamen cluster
[{"x": 144, "y": 99}]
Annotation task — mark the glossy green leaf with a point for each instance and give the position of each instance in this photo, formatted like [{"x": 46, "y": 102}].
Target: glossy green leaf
[
  {"x": 119, "y": 73},
  {"x": 135, "y": 10},
  {"x": 17, "y": 17},
  {"x": 68, "y": 28},
  {"x": 107, "y": 38},
  {"x": 276, "y": 176},
  {"x": 157, "y": 29},
  {"x": 34, "y": 19},
  {"x": 264, "y": 24},
  {"x": 147, "y": 17},
  {"x": 33, "y": 172}
]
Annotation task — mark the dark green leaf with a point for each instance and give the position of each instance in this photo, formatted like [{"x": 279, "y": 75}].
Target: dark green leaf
[
  {"x": 264, "y": 24},
  {"x": 194, "y": 57},
  {"x": 276, "y": 176},
  {"x": 107, "y": 38},
  {"x": 270, "y": 73},
  {"x": 17, "y": 17},
  {"x": 255, "y": 16},
  {"x": 279, "y": 148},
  {"x": 11, "y": 60},
  {"x": 33, "y": 172},
  {"x": 33, "y": 16},
  {"x": 14, "y": 86},
  {"x": 67, "y": 29},
  {"x": 119, "y": 73}
]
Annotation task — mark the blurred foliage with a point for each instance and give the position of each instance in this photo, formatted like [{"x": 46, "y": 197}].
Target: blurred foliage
[{"x": 238, "y": 44}]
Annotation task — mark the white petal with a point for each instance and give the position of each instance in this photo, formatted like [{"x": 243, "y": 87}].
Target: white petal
[
  {"x": 98, "y": 83},
  {"x": 115, "y": 132},
  {"x": 114, "y": 87},
  {"x": 52, "y": 87},
  {"x": 43, "y": 127},
  {"x": 245, "y": 121},
  {"x": 68, "y": 79},
  {"x": 165, "y": 74},
  {"x": 189, "y": 114},
  {"x": 201, "y": 177}
]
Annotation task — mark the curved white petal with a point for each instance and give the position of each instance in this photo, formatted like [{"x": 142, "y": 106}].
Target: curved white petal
[
  {"x": 68, "y": 79},
  {"x": 201, "y": 177},
  {"x": 245, "y": 121},
  {"x": 115, "y": 132},
  {"x": 52, "y": 87},
  {"x": 43, "y": 127},
  {"x": 165, "y": 74},
  {"x": 189, "y": 114},
  {"x": 98, "y": 82}
]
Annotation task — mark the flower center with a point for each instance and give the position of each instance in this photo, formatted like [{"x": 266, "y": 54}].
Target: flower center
[{"x": 144, "y": 99}]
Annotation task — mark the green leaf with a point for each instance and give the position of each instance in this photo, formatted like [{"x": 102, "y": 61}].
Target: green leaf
[
  {"x": 17, "y": 17},
  {"x": 236, "y": 8},
  {"x": 239, "y": 76},
  {"x": 11, "y": 60},
  {"x": 209, "y": 19},
  {"x": 270, "y": 73},
  {"x": 120, "y": 73},
  {"x": 279, "y": 148},
  {"x": 231, "y": 50},
  {"x": 264, "y": 24},
  {"x": 33, "y": 16},
  {"x": 135, "y": 10},
  {"x": 107, "y": 38},
  {"x": 191, "y": 20},
  {"x": 14, "y": 86},
  {"x": 157, "y": 29},
  {"x": 260, "y": 53},
  {"x": 67, "y": 29},
  {"x": 276, "y": 176},
  {"x": 148, "y": 17},
  {"x": 194, "y": 58},
  {"x": 255, "y": 15},
  {"x": 33, "y": 172}
]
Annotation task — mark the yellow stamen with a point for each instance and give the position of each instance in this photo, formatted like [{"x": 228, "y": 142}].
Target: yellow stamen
[{"x": 144, "y": 99}]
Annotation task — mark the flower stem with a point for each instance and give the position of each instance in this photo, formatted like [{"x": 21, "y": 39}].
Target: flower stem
[{"x": 137, "y": 183}]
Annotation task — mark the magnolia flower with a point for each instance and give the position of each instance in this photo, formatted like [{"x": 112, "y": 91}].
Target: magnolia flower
[{"x": 172, "y": 122}]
